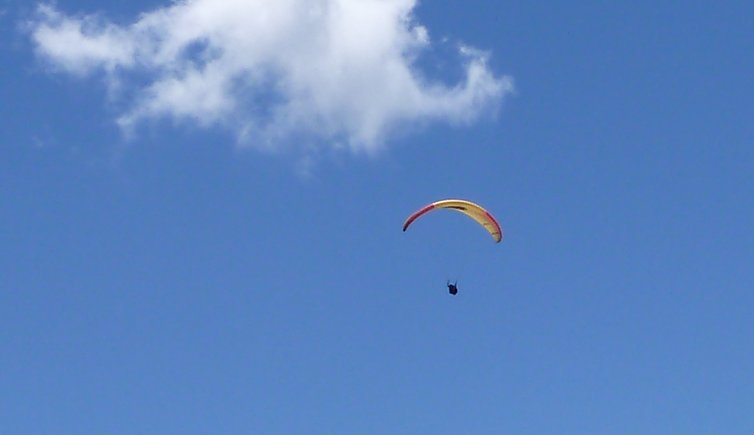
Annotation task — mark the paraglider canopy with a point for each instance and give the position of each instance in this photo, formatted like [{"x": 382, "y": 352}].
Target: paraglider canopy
[{"x": 470, "y": 209}]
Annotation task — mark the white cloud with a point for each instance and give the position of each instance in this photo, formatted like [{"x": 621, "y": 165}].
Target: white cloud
[{"x": 336, "y": 70}]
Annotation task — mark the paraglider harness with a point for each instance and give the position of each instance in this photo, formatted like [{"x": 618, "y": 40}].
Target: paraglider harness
[{"x": 452, "y": 289}]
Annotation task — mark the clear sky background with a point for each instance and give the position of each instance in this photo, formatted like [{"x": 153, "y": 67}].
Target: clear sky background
[{"x": 226, "y": 255}]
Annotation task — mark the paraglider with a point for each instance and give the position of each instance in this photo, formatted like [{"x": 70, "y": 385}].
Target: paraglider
[{"x": 470, "y": 209}]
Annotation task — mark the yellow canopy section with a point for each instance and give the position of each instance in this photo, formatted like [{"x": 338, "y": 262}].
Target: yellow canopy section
[{"x": 470, "y": 209}]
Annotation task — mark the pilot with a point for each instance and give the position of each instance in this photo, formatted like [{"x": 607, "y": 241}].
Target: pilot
[{"x": 452, "y": 289}]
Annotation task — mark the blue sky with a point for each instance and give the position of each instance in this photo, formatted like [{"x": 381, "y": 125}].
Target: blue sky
[{"x": 184, "y": 273}]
